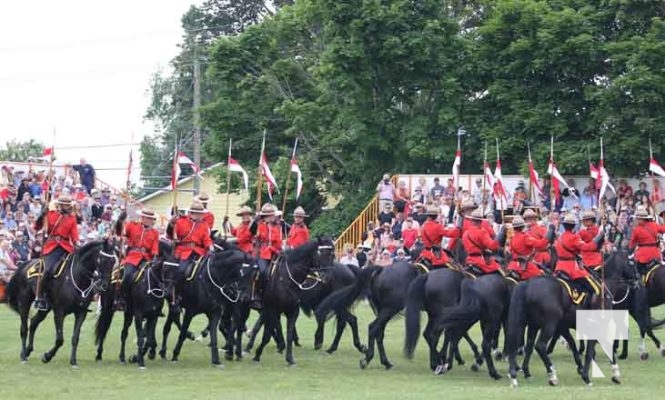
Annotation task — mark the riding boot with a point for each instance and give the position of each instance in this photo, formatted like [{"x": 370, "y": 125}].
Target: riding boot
[{"x": 50, "y": 261}]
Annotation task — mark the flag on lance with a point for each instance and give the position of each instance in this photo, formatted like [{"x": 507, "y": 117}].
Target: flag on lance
[
  {"x": 656, "y": 168},
  {"x": 235, "y": 166},
  {"x": 175, "y": 171},
  {"x": 296, "y": 170},
  {"x": 554, "y": 173},
  {"x": 499, "y": 189},
  {"x": 489, "y": 176},
  {"x": 456, "y": 167},
  {"x": 267, "y": 174},
  {"x": 183, "y": 159},
  {"x": 533, "y": 175}
]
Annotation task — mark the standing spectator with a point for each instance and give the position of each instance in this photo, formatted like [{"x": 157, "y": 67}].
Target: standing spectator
[
  {"x": 437, "y": 189},
  {"x": 348, "y": 258},
  {"x": 401, "y": 197},
  {"x": 24, "y": 204},
  {"x": 624, "y": 190},
  {"x": 397, "y": 226},
  {"x": 36, "y": 187},
  {"x": 642, "y": 191},
  {"x": 24, "y": 188},
  {"x": 386, "y": 191},
  {"x": 588, "y": 199},
  {"x": 445, "y": 207},
  {"x": 86, "y": 174},
  {"x": 106, "y": 196},
  {"x": 422, "y": 184},
  {"x": 97, "y": 208}
]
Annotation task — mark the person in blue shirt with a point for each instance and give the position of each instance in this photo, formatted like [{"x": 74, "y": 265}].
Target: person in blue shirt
[{"x": 86, "y": 174}]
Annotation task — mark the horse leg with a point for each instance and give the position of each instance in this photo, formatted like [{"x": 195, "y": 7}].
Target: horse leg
[
  {"x": 590, "y": 355},
  {"x": 58, "y": 319},
  {"x": 291, "y": 334},
  {"x": 339, "y": 331},
  {"x": 126, "y": 323},
  {"x": 140, "y": 339},
  {"x": 254, "y": 332},
  {"x": 568, "y": 337},
  {"x": 278, "y": 335},
  {"x": 151, "y": 344},
  {"x": 372, "y": 332},
  {"x": 34, "y": 324},
  {"x": 528, "y": 351},
  {"x": 25, "y": 311},
  {"x": 213, "y": 322},
  {"x": 489, "y": 336},
  {"x": 165, "y": 333},
  {"x": 379, "y": 339},
  {"x": 183, "y": 335},
  {"x": 353, "y": 323},
  {"x": 267, "y": 318},
  {"x": 318, "y": 335},
  {"x": 474, "y": 348},
  {"x": 79, "y": 317},
  {"x": 296, "y": 338},
  {"x": 546, "y": 334},
  {"x": 432, "y": 339}
]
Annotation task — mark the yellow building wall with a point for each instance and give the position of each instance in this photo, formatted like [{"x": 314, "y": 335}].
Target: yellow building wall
[{"x": 161, "y": 203}]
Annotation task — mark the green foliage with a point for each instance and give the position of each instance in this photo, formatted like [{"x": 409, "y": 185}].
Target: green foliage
[
  {"x": 372, "y": 87},
  {"x": 15, "y": 150}
]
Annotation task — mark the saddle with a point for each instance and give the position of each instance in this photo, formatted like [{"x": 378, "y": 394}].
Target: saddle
[
  {"x": 476, "y": 272},
  {"x": 144, "y": 265},
  {"x": 194, "y": 268},
  {"x": 649, "y": 274},
  {"x": 576, "y": 296},
  {"x": 37, "y": 268}
]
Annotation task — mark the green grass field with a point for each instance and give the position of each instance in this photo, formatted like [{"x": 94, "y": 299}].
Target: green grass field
[{"x": 316, "y": 375}]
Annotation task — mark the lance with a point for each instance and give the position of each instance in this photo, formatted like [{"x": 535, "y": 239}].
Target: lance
[
  {"x": 501, "y": 189},
  {"x": 288, "y": 176},
  {"x": 259, "y": 180},
  {"x": 45, "y": 233},
  {"x": 484, "y": 180},
  {"x": 228, "y": 190}
]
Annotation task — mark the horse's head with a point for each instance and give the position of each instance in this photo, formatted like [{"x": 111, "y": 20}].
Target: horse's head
[
  {"x": 326, "y": 251},
  {"x": 228, "y": 266},
  {"x": 99, "y": 257},
  {"x": 619, "y": 266},
  {"x": 249, "y": 276}
]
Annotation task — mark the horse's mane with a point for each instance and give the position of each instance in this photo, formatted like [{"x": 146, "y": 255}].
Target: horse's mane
[
  {"x": 87, "y": 249},
  {"x": 302, "y": 251}
]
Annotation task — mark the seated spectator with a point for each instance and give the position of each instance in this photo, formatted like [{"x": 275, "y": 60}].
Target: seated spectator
[
  {"x": 106, "y": 196},
  {"x": 7, "y": 265},
  {"x": 348, "y": 258},
  {"x": 369, "y": 237},
  {"x": 450, "y": 190},
  {"x": 418, "y": 196},
  {"x": 386, "y": 216},
  {"x": 419, "y": 215},
  {"x": 384, "y": 259},
  {"x": 20, "y": 244},
  {"x": 107, "y": 215},
  {"x": 96, "y": 209},
  {"x": 385, "y": 235},
  {"x": 400, "y": 255},
  {"x": 10, "y": 222},
  {"x": 624, "y": 190},
  {"x": 641, "y": 192},
  {"x": 397, "y": 225},
  {"x": 409, "y": 233}
]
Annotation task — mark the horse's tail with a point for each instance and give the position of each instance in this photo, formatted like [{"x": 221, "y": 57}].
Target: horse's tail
[
  {"x": 415, "y": 301},
  {"x": 12, "y": 291},
  {"x": 344, "y": 297},
  {"x": 467, "y": 312},
  {"x": 105, "y": 317},
  {"x": 516, "y": 319}
]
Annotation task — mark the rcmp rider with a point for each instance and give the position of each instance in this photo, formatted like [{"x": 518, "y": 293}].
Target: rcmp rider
[
  {"x": 268, "y": 235},
  {"x": 538, "y": 232},
  {"x": 478, "y": 245},
  {"x": 645, "y": 239},
  {"x": 590, "y": 258},
  {"x": 62, "y": 237},
  {"x": 191, "y": 237},
  {"x": 244, "y": 238},
  {"x": 208, "y": 217},
  {"x": 298, "y": 234},
  {"x": 523, "y": 248},
  {"x": 568, "y": 248},
  {"x": 142, "y": 245},
  {"x": 432, "y": 233}
]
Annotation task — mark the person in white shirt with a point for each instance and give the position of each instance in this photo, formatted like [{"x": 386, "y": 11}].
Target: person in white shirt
[{"x": 349, "y": 257}]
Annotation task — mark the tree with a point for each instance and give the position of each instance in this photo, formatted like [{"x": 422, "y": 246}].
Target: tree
[{"x": 17, "y": 151}]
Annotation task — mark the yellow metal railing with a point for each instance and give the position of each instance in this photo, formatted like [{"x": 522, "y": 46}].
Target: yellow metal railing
[{"x": 354, "y": 232}]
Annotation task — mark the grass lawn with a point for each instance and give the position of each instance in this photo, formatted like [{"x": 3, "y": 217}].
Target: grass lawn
[{"x": 316, "y": 375}]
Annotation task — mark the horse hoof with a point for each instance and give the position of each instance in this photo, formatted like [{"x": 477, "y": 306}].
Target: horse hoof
[
  {"x": 75, "y": 366},
  {"x": 318, "y": 346},
  {"x": 256, "y": 361},
  {"x": 662, "y": 352},
  {"x": 363, "y": 363},
  {"x": 218, "y": 365},
  {"x": 475, "y": 367},
  {"x": 151, "y": 355},
  {"x": 520, "y": 352},
  {"x": 388, "y": 365},
  {"x": 590, "y": 384},
  {"x": 162, "y": 354},
  {"x": 644, "y": 356},
  {"x": 133, "y": 359},
  {"x": 623, "y": 356},
  {"x": 238, "y": 358},
  {"x": 297, "y": 344},
  {"x": 514, "y": 383},
  {"x": 362, "y": 348},
  {"x": 24, "y": 361},
  {"x": 461, "y": 363},
  {"x": 330, "y": 351},
  {"x": 553, "y": 382},
  {"x": 45, "y": 358},
  {"x": 616, "y": 380},
  {"x": 440, "y": 369},
  {"x": 228, "y": 357},
  {"x": 280, "y": 350},
  {"x": 496, "y": 377},
  {"x": 292, "y": 364}
]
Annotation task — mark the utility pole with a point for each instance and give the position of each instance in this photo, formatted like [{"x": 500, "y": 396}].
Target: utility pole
[{"x": 197, "y": 124}]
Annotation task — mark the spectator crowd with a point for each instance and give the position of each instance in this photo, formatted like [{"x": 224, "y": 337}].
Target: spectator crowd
[
  {"x": 23, "y": 197},
  {"x": 402, "y": 210}
]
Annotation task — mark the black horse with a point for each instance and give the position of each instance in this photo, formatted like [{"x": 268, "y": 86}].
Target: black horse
[
  {"x": 433, "y": 292},
  {"x": 85, "y": 272},
  {"x": 206, "y": 293},
  {"x": 543, "y": 305},
  {"x": 282, "y": 287},
  {"x": 387, "y": 295},
  {"x": 484, "y": 299},
  {"x": 655, "y": 296}
]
